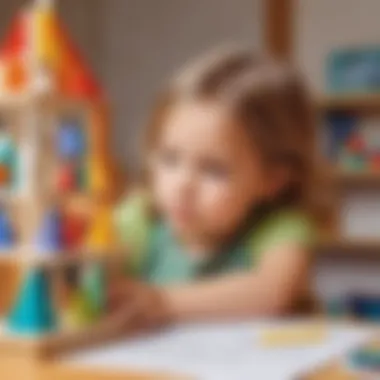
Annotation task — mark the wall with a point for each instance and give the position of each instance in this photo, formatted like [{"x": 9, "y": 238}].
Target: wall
[
  {"x": 146, "y": 41},
  {"x": 321, "y": 26},
  {"x": 135, "y": 45}
]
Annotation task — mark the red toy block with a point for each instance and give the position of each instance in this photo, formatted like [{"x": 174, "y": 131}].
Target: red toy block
[
  {"x": 355, "y": 144},
  {"x": 375, "y": 162},
  {"x": 73, "y": 230},
  {"x": 66, "y": 178}
]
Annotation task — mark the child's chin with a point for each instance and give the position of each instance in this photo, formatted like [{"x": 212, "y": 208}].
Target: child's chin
[{"x": 183, "y": 227}]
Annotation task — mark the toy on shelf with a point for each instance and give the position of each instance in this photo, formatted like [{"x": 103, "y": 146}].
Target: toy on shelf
[
  {"x": 59, "y": 130},
  {"x": 355, "y": 143}
]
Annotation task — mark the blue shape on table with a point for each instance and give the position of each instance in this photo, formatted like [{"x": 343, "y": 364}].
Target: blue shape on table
[
  {"x": 50, "y": 237},
  {"x": 6, "y": 231},
  {"x": 71, "y": 140},
  {"x": 33, "y": 312}
]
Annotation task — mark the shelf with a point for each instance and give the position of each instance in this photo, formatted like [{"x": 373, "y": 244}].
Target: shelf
[
  {"x": 357, "y": 179},
  {"x": 9, "y": 102},
  {"x": 59, "y": 259},
  {"x": 16, "y": 101},
  {"x": 350, "y": 102},
  {"x": 347, "y": 246}
]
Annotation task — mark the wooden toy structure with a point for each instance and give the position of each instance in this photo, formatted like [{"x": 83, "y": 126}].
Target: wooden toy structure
[{"x": 56, "y": 187}]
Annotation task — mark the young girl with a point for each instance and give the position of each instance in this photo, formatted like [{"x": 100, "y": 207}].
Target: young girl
[{"x": 224, "y": 225}]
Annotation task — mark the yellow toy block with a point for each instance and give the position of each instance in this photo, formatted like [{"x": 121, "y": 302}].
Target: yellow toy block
[
  {"x": 98, "y": 177},
  {"x": 101, "y": 235}
]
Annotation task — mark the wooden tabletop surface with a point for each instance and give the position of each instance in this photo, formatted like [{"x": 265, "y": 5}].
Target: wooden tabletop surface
[
  {"x": 20, "y": 367},
  {"x": 17, "y": 368}
]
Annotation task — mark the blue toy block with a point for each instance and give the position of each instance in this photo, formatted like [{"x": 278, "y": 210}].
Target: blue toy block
[
  {"x": 6, "y": 231},
  {"x": 71, "y": 140},
  {"x": 33, "y": 312},
  {"x": 50, "y": 237}
]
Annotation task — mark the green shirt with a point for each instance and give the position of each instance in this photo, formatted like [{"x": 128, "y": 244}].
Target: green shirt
[{"x": 160, "y": 259}]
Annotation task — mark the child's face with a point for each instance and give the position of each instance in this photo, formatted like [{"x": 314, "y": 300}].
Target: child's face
[{"x": 206, "y": 175}]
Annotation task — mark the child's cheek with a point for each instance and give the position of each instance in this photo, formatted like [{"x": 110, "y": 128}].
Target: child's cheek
[
  {"x": 163, "y": 188},
  {"x": 215, "y": 197}
]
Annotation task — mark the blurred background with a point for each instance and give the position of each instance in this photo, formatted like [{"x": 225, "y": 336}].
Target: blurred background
[{"x": 133, "y": 47}]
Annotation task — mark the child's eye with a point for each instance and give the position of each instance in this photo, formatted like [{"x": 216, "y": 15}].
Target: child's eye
[{"x": 215, "y": 169}]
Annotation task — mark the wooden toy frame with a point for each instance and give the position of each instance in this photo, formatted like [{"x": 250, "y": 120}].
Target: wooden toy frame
[{"x": 34, "y": 112}]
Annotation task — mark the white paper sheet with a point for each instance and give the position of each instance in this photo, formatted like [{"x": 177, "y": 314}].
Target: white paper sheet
[{"x": 220, "y": 352}]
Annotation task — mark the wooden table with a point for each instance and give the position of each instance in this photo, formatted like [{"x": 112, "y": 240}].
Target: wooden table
[
  {"x": 24, "y": 368},
  {"x": 333, "y": 372},
  {"x": 13, "y": 368},
  {"x": 18, "y": 368}
]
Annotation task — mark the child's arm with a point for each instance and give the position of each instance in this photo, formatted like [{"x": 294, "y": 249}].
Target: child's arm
[{"x": 269, "y": 289}]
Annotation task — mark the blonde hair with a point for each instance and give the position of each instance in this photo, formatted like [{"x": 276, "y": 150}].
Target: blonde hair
[{"x": 270, "y": 100}]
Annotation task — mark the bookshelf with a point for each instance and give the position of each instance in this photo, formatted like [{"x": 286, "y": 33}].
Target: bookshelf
[{"x": 361, "y": 105}]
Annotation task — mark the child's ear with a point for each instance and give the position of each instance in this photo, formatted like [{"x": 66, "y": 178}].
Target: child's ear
[{"x": 277, "y": 180}]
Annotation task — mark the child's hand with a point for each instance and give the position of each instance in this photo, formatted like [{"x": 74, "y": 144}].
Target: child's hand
[{"x": 136, "y": 306}]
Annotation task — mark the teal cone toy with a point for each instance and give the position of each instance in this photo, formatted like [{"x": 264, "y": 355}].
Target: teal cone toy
[{"x": 33, "y": 312}]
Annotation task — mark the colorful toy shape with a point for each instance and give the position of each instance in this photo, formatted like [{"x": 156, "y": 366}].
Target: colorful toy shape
[
  {"x": 8, "y": 160},
  {"x": 87, "y": 301},
  {"x": 73, "y": 231},
  {"x": 33, "y": 312},
  {"x": 83, "y": 162},
  {"x": 101, "y": 234},
  {"x": 78, "y": 311},
  {"x": 6, "y": 231},
  {"x": 71, "y": 141},
  {"x": 50, "y": 235},
  {"x": 94, "y": 288},
  {"x": 4, "y": 175},
  {"x": 67, "y": 178},
  {"x": 375, "y": 162}
]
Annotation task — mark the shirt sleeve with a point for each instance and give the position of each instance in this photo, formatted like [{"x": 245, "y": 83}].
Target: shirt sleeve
[
  {"x": 133, "y": 225},
  {"x": 282, "y": 228}
]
